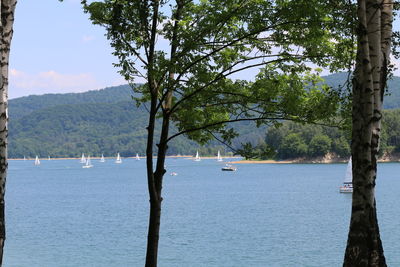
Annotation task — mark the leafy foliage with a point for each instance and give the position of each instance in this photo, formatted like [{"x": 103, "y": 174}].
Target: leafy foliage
[
  {"x": 210, "y": 41},
  {"x": 293, "y": 140}
]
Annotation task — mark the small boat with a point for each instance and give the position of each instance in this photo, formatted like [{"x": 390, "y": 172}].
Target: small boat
[
  {"x": 174, "y": 174},
  {"x": 118, "y": 160},
  {"x": 83, "y": 159},
  {"x": 49, "y": 158},
  {"x": 347, "y": 186},
  {"x": 24, "y": 158},
  {"x": 197, "y": 158},
  {"x": 137, "y": 156},
  {"x": 37, "y": 161},
  {"x": 88, "y": 164},
  {"x": 219, "y": 156},
  {"x": 229, "y": 167},
  {"x": 102, "y": 158}
]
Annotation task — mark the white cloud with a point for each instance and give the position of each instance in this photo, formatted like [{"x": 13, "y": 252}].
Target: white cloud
[
  {"x": 22, "y": 83},
  {"x": 87, "y": 38}
]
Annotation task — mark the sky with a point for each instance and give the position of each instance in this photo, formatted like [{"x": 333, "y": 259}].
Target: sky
[{"x": 56, "y": 49}]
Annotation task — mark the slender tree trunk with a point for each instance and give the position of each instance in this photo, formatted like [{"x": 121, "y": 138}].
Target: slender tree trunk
[
  {"x": 364, "y": 246},
  {"x": 155, "y": 184},
  {"x": 6, "y": 30}
]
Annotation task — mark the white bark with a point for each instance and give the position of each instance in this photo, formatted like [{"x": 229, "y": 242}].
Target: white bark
[
  {"x": 364, "y": 246},
  {"x": 6, "y": 31}
]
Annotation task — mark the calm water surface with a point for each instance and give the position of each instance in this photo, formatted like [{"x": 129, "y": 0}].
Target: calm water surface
[{"x": 59, "y": 214}]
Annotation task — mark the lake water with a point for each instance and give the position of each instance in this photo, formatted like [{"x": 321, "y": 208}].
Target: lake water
[{"x": 59, "y": 214}]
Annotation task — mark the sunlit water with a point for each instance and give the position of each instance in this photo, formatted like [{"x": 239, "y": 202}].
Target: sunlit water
[{"x": 59, "y": 214}]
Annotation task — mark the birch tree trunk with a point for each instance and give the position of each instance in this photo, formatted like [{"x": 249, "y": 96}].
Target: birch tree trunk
[
  {"x": 6, "y": 31},
  {"x": 364, "y": 246}
]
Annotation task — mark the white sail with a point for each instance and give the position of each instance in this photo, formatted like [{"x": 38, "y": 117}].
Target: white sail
[
  {"x": 219, "y": 156},
  {"x": 348, "y": 178},
  {"x": 137, "y": 156},
  {"x": 197, "y": 158},
  {"x": 24, "y": 158},
  {"x": 347, "y": 186},
  {"x": 37, "y": 161},
  {"x": 118, "y": 160},
  {"x": 102, "y": 158},
  {"x": 83, "y": 159},
  {"x": 88, "y": 163},
  {"x": 49, "y": 157}
]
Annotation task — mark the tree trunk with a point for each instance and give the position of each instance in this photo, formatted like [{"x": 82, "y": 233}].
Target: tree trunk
[
  {"x": 6, "y": 29},
  {"x": 155, "y": 188},
  {"x": 364, "y": 246},
  {"x": 153, "y": 234}
]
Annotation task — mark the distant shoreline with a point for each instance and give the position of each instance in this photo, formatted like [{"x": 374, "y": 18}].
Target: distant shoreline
[
  {"x": 294, "y": 161},
  {"x": 303, "y": 161}
]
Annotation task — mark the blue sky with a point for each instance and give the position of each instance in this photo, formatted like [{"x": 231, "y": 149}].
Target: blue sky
[{"x": 56, "y": 49}]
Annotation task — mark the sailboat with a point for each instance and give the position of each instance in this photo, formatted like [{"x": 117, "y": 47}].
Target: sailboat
[
  {"x": 197, "y": 158},
  {"x": 83, "y": 160},
  {"x": 229, "y": 167},
  {"x": 24, "y": 158},
  {"x": 37, "y": 161},
  {"x": 347, "y": 186},
  {"x": 118, "y": 160},
  {"x": 219, "y": 156},
  {"x": 49, "y": 157},
  {"x": 137, "y": 156},
  {"x": 88, "y": 164},
  {"x": 102, "y": 158}
]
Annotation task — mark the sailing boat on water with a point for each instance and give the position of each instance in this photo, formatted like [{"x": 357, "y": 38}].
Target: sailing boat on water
[
  {"x": 83, "y": 159},
  {"x": 197, "y": 158},
  {"x": 219, "y": 156},
  {"x": 118, "y": 160},
  {"x": 347, "y": 186},
  {"x": 137, "y": 156},
  {"x": 37, "y": 161},
  {"x": 88, "y": 163},
  {"x": 102, "y": 158}
]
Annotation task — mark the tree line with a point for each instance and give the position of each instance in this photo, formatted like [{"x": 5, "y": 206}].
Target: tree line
[{"x": 295, "y": 140}]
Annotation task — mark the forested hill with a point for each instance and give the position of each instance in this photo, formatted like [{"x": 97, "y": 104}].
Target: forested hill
[
  {"x": 99, "y": 122},
  {"x": 392, "y": 99},
  {"x": 22, "y": 106},
  {"x": 107, "y": 121}
]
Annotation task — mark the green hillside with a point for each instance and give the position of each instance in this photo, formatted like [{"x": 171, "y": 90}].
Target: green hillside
[
  {"x": 22, "y": 106},
  {"x": 392, "y": 99},
  {"x": 107, "y": 121},
  {"x": 99, "y": 122}
]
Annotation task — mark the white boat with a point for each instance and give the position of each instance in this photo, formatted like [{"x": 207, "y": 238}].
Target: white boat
[
  {"x": 137, "y": 156},
  {"x": 49, "y": 157},
  {"x": 173, "y": 174},
  {"x": 347, "y": 186},
  {"x": 229, "y": 167},
  {"x": 118, "y": 160},
  {"x": 37, "y": 161},
  {"x": 197, "y": 158},
  {"x": 88, "y": 164},
  {"x": 24, "y": 158},
  {"x": 102, "y": 158},
  {"x": 219, "y": 156},
  {"x": 83, "y": 159}
]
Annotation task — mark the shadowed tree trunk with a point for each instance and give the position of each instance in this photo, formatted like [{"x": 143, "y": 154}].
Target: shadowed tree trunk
[
  {"x": 364, "y": 246},
  {"x": 6, "y": 31}
]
